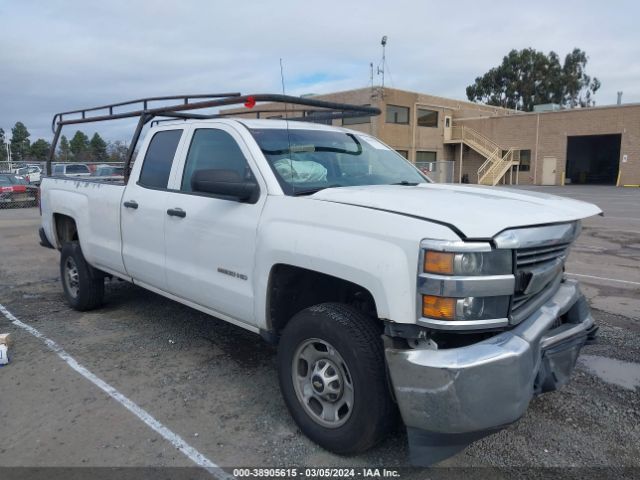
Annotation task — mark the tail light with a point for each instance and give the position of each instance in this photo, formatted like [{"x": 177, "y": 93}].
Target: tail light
[{"x": 14, "y": 189}]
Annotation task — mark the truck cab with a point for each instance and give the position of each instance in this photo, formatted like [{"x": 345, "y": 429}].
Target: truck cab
[{"x": 384, "y": 292}]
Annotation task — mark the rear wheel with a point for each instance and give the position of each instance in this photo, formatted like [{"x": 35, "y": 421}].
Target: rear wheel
[
  {"x": 83, "y": 285},
  {"x": 333, "y": 378}
]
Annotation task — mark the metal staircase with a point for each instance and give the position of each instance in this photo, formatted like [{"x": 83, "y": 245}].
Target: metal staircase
[{"x": 496, "y": 164}]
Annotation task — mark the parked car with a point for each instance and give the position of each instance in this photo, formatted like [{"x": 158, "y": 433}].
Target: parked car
[
  {"x": 383, "y": 291},
  {"x": 109, "y": 171},
  {"x": 15, "y": 190},
  {"x": 71, "y": 170},
  {"x": 32, "y": 173}
]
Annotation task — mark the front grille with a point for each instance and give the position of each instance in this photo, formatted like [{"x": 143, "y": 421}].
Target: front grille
[{"x": 532, "y": 259}]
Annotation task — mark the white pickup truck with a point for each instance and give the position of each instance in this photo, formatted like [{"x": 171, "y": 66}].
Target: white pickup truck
[{"x": 384, "y": 292}]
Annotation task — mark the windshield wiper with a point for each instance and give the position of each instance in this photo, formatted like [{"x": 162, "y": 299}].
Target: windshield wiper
[
  {"x": 311, "y": 191},
  {"x": 405, "y": 183}
]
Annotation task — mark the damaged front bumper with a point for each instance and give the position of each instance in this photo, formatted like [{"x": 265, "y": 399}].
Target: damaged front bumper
[{"x": 449, "y": 398}]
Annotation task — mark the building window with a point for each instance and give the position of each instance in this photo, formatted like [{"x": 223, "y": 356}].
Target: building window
[
  {"x": 525, "y": 160},
  {"x": 316, "y": 116},
  {"x": 397, "y": 114},
  {"x": 404, "y": 153},
  {"x": 425, "y": 156},
  {"x": 357, "y": 120},
  {"x": 427, "y": 118}
]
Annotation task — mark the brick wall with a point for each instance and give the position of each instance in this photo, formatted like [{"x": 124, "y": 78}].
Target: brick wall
[{"x": 553, "y": 128}]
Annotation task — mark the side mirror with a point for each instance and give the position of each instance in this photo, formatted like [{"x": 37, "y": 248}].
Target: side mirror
[{"x": 226, "y": 183}]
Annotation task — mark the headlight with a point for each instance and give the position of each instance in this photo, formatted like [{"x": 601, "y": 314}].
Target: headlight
[
  {"x": 466, "y": 308},
  {"x": 495, "y": 262},
  {"x": 464, "y": 285}
]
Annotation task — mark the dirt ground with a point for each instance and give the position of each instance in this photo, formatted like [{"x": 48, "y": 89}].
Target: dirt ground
[{"x": 216, "y": 385}]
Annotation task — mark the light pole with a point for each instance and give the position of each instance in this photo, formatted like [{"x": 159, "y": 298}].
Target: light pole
[{"x": 383, "y": 42}]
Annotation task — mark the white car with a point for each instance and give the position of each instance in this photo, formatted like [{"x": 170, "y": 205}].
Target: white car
[
  {"x": 382, "y": 290},
  {"x": 32, "y": 173},
  {"x": 70, "y": 170}
]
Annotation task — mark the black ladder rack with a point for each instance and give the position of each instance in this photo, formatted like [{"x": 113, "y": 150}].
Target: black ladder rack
[{"x": 322, "y": 111}]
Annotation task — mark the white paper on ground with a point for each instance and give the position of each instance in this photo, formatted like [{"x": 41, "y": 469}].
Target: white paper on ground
[{"x": 4, "y": 355}]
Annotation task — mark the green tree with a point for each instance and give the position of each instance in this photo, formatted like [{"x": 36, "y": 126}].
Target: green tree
[
  {"x": 40, "y": 150},
  {"x": 529, "y": 77},
  {"x": 98, "y": 148},
  {"x": 64, "y": 149},
  {"x": 19, "y": 142},
  {"x": 3, "y": 146},
  {"x": 79, "y": 146}
]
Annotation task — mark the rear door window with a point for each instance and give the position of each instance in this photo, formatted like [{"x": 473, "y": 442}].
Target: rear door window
[{"x": 159, "y": 158}]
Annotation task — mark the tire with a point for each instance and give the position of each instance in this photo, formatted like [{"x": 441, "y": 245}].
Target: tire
[
  {"x": 361, "y": 372},
  {"x": 83, "y": 285}
]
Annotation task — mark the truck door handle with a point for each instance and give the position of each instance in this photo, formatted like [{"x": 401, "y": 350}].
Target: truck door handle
[
  {"x": 131, "y": 204},
  {"x": 176, "y": 212}
]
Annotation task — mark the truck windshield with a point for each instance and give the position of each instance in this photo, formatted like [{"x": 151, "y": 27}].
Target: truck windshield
[{"x": 305, "y": 161}]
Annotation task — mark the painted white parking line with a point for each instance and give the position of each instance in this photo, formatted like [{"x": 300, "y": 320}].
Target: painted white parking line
[
  {"x": 176, "y": 440},
  {"x": 603, "y": 278}
]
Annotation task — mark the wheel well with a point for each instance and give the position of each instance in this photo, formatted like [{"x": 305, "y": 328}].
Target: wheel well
[
  {"x": 292, "y": 289},
  {"x": 66, "y": 229}
]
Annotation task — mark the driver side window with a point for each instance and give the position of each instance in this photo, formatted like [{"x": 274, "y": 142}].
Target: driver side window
[{"x": 213, "y": 149}]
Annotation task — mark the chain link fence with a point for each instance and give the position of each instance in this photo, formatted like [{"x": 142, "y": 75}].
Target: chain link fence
[
  {"x": 20, "y": 181},
  {"x": 439, "y": 172}
]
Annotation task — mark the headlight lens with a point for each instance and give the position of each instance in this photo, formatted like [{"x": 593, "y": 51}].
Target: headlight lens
[
  {"x": 494, "y": 262},
  {"x": 468, "y": 308}
]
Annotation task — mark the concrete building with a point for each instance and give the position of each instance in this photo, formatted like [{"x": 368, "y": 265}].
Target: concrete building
[{"x": 490, "y": 145}]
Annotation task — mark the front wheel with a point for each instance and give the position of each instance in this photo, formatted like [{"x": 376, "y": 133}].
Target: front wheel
[
  {"x": 83, "y": 285},
  {"x": 333, "y": 378}
]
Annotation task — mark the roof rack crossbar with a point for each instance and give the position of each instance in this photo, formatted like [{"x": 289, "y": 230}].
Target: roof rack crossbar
[{"x": 305, "y": 115}]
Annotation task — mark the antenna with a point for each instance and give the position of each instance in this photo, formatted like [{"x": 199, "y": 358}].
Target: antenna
[
  {"x": 371, "y": 74},
  {"x": 286, "y": 119},
  {"x": 383, "y": 42}
]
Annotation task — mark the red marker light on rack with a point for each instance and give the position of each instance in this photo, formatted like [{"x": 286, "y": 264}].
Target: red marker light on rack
[{"x": 250, "y": 103}]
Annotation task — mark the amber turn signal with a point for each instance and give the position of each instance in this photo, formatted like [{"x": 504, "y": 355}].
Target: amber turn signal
[
  {"x": 438, "y": 262},
  {"x": 439, "y": 308}
]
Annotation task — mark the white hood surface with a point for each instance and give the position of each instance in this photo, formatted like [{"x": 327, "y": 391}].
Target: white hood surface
[{"x": 476, "y": 211}]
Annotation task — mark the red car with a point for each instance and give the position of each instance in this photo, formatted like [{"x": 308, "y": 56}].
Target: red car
[{"x": 15, "y": 190}]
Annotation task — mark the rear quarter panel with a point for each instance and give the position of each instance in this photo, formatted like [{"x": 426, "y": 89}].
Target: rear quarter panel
[{"x": 95, "y": 207}]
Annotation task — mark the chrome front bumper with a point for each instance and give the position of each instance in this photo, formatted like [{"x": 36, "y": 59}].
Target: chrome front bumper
[{"x": 449, "y": 398}]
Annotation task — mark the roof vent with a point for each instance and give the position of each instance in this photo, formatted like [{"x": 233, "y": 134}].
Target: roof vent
[{"x": 546, "y": 107}]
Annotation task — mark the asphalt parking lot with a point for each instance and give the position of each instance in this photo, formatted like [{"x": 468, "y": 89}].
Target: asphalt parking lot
[{"x": 215, "y": 385}]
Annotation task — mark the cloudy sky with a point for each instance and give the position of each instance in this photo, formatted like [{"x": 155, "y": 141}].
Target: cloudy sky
[{"x": 57, "y": 55}]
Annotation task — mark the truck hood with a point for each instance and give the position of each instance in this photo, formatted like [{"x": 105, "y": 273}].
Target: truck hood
[{"x": 475, "y": 211}]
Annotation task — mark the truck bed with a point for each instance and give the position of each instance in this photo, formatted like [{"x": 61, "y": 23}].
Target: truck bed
[{"x": 94, "y": 203}]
